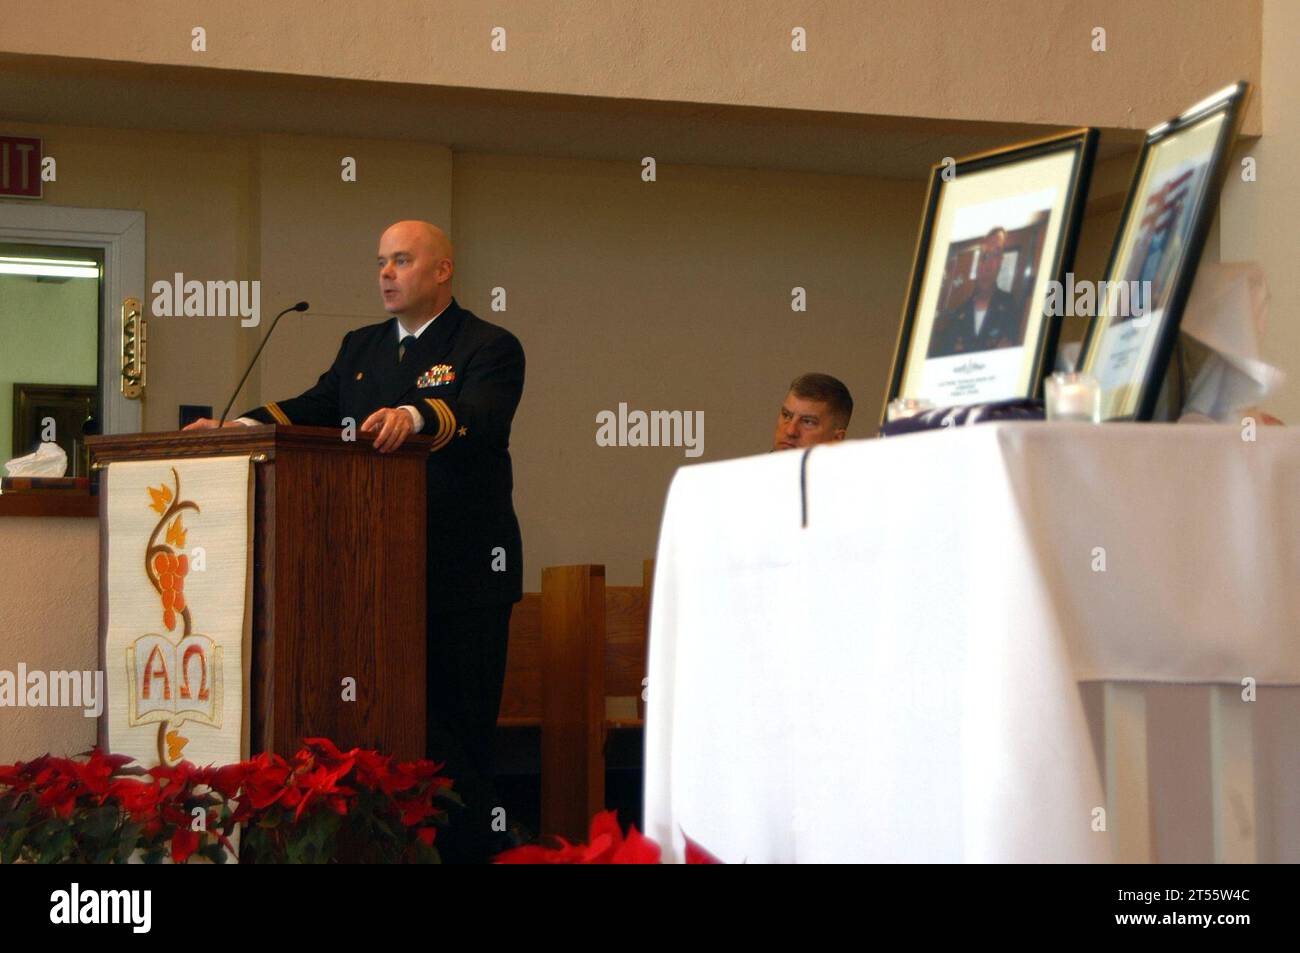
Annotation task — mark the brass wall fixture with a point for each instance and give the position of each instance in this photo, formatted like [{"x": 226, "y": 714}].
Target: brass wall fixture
[{"x": 134, "y": 340}]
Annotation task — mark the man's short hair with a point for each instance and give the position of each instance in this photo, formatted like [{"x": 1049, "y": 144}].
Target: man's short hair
[{"x": 830, "y": 391}]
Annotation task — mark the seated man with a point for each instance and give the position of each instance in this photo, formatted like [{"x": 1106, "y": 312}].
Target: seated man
[{"x": 816, "y": 410}]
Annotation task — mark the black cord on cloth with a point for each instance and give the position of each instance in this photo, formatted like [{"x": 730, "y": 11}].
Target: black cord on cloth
[{"x": 803, "y": 488}]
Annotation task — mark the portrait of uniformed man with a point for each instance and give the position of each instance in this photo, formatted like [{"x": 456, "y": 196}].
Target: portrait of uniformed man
[{"x": 988, "y": 318}]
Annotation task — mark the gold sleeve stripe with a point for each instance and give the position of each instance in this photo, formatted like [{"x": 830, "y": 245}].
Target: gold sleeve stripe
[
  {"x": 446, "y": 423},
  {"x": 277, "y": 413}
]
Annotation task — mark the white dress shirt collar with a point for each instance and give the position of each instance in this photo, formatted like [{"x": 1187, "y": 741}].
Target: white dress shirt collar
[{"x": 401, "y": 331}]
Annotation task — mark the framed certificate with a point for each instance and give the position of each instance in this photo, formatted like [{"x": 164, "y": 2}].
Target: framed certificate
[
  {"x": 997, "y": 228},
  {"x": 1153, "y": 262}
]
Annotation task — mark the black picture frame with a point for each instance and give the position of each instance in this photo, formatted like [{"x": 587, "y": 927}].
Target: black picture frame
[
  {"x": 1230, "y": 104},
  {"x": 1042, "y": 351}
]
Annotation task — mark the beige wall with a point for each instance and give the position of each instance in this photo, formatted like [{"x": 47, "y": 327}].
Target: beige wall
[
  {"x": 49, "y": 617},
  {"x": 1015, "y": 60},
  {"x": 1260, "y": 220},
  {"x": 193, "y": 191},
  {"x": 318, "y": 237},
  {"x": 671, "y": 295},
  {"x": 258, "y": 207},
  {"x": 666, "y": 295}
]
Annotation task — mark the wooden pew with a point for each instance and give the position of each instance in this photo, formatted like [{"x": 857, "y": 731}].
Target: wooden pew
[
  {"x": 627, "y": 628},
  {"x": 573, "y": 647}
]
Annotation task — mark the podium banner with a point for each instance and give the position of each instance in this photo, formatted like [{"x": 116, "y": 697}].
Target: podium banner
[{"x": 178, "y": 631}]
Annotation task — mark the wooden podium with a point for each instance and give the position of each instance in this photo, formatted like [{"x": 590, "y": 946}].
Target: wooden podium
[{"x": 339, "y": 539}]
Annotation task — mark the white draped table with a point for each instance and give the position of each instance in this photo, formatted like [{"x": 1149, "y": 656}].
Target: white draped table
[{"x": 884, "y": 652}]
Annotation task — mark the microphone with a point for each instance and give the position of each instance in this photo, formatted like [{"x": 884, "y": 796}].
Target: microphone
[{"x": 300, "y": 306}]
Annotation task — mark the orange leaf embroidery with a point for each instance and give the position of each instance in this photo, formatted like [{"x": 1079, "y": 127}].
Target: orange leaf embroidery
[
  {"x": 176, "y": 534},
  {"x": 161, "y": 497},
  {"x": 176, "y": 743}
]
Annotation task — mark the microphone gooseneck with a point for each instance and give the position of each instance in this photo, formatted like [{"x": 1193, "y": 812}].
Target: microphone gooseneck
[{"x": 300, "y": 306}]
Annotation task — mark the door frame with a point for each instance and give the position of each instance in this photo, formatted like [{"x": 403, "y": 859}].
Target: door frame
[{"x": 120, "y": 234}]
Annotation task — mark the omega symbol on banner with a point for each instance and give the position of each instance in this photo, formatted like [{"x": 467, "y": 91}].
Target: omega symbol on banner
[{"x": 172, "y": 683}]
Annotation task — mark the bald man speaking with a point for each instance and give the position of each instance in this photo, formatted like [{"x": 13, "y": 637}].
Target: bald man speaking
[{"x": 435, "y": 368}]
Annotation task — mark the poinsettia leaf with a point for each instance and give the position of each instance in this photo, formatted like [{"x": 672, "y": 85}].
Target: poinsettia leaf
[
  {"x": 129, "y": 838},
  {"x": 57, "y": 848},
  {"x": 526, "y": 854},
  {"x": 605, "y": 824},
  {"x": 695, "y": 854},
  {"x": 636, "y": 849},
  {"x": 100, "y": 822},
  {"x": 12, "y": 846}
]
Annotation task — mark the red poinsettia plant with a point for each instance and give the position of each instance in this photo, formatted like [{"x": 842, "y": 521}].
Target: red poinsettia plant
[
  {"x": 606, "y": 844},
  {"x": 320, "y": 805}
]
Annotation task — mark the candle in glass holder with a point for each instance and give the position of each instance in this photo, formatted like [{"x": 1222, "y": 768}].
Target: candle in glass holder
[{"x": 1073, "y": 396}]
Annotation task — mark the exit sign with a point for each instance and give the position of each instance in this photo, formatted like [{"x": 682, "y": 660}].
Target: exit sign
[{"x": 20, "y": 167}]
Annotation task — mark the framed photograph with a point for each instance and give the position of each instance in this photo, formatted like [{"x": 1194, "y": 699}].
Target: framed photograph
[
  {"x": 1153, "y": 262},
  {"x": 997, "y": 228}
]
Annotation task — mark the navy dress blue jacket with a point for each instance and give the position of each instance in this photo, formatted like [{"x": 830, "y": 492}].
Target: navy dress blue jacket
[{"x": 465, "y": 376}]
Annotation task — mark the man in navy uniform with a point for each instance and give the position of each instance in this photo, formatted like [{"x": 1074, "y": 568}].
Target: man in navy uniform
[
  {"x": 435, "y": 368},
  {"x": 987, "y": 319}
]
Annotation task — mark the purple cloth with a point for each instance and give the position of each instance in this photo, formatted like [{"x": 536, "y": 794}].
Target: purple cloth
[{"x": 965, "y": 416}]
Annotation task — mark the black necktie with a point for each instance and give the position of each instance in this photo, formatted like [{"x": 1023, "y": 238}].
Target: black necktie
[{"x": 402, "y": 346}]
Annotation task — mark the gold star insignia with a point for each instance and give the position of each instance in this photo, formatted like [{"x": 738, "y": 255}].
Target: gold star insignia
[{"x": 463, "y": 431}]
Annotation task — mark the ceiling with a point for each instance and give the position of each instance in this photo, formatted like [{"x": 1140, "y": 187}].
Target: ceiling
[{"x": 59, "y": 91}]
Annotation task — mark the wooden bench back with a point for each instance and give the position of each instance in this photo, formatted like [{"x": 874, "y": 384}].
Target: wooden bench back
[{"x": 572, "y": 646}]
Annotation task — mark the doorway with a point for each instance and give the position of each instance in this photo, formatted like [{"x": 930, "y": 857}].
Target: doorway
[
  {"x": 65, "y": 274},
  {"x": 50, "y": 316}
]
